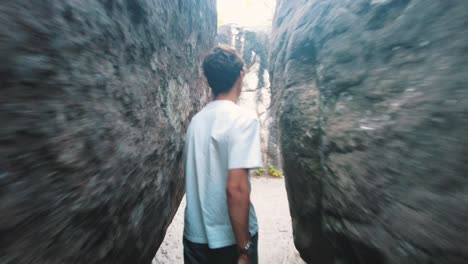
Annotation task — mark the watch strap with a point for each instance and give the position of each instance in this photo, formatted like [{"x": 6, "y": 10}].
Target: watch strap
[{"x": 245, "y": 250}]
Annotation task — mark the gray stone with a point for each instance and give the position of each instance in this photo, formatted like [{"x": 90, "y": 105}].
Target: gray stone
[
  {"x": 372, "y": 101},
  {"x": 95, "y": 98}
]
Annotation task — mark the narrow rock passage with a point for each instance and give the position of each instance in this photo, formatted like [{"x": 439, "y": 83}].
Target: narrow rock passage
[{"x": 275, "y": 236}]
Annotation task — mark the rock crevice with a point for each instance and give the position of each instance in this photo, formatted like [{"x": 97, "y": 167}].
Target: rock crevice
[{"x": 252, "y": 44}]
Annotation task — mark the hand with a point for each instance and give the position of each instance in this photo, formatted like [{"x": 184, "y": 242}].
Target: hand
[{"x": 243, "y": 259}]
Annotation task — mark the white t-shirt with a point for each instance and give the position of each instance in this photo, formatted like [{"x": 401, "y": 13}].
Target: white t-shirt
[{"x": 222, "y": 136}]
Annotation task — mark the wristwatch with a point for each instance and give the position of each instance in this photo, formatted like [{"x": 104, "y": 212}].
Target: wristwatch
[{"x": 246, "y": 249}]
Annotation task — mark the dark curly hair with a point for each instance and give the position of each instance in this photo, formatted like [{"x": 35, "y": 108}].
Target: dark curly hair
[{"x": 222, "y": 66}]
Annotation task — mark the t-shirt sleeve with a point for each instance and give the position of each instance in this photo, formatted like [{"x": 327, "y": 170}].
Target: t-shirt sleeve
[{"x": 244, "y": 150}]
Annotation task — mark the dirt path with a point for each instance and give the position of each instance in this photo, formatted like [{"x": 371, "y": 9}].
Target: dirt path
[{"x": 275, "y": 236}]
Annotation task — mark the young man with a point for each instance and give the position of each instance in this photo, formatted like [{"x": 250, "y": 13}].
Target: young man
[{"x": 222, "y": 144}]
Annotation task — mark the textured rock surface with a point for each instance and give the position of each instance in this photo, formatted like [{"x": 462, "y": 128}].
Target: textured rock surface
[
  {"x": 95, "y": 97},
  {"x": 252, "y": 44},
  {"x": 372, "y": 99}
]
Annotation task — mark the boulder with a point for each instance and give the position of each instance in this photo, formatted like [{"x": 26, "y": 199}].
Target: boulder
[
  {"x": 372, "y": 101},
  {"x": 95, "y": 98}
]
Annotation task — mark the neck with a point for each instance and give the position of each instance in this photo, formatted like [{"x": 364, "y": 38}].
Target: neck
[{"x": 230, "y": 97}]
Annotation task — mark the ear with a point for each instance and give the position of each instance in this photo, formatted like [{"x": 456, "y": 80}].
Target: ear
[{"x": 242, "y": 74}]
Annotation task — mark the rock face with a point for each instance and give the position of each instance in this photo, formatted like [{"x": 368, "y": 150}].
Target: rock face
[
  {"x": 95, "y": 97},
  {"x": 372, "y": 99},
  {"x": 253, "y": 45}
]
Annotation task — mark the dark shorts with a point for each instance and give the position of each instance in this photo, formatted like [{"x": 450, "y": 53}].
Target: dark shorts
[{"x": 195, "y": 253}]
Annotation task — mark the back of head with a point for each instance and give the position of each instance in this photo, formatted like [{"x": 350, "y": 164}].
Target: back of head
[{"x": 222, "y": 67}]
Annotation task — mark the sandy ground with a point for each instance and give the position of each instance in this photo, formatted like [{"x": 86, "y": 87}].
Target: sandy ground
[{"x": 275, "y": 235}]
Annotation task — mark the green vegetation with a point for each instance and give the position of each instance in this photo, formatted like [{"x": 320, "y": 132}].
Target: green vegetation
[
  {"x": 259, "y": 171},
  {"x": 274, "y": 171}
]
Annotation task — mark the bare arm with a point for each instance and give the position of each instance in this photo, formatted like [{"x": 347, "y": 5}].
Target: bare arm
[{"x": 238, "y": 193}]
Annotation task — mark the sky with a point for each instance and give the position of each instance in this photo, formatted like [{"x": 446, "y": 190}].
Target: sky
[{"x": 246, "y": 13}]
